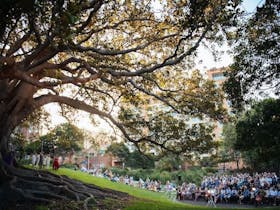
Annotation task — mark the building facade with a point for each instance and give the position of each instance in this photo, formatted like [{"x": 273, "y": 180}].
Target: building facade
[{"x": 218, "y": 75}]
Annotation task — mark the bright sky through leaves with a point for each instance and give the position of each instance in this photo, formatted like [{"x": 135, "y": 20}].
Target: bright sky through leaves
[{"x": 205, "y": 60}]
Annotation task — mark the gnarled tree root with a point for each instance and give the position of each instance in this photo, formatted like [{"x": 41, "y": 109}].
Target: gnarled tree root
[{"x": 32, "y": 187}]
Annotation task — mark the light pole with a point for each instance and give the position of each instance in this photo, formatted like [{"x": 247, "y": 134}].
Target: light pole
[
  {"x": 42, "y": 143},
  {"x": 88, "y": 161}
]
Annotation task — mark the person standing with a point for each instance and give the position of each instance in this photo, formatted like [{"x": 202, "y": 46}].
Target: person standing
[
  {"x": 48, "y": 160},
  {"x": 55, "y": 163},
  {"x": 37, "y": 159},
  {"x": 41, "y": 160},
  {"x": 34, "y": 156}
]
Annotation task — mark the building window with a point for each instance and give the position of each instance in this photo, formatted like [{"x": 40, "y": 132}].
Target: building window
[{"x": 218, "y": 76}]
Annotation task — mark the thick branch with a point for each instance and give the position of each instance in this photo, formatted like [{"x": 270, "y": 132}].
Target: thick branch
[
  {"x": 18, "y": 44},
  {"x": 42, "y": 100},
  {"x": 29, "y": 78}
]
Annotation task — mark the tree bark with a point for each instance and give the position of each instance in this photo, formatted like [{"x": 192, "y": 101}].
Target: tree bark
[{"x": 27, "y": 187}]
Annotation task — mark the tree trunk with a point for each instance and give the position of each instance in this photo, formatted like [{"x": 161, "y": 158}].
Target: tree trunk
[
  {"x": 28, "y": 188},
  {"x": 237, "y": 164}
]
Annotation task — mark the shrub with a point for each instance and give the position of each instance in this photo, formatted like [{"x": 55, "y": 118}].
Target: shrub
[
  {"x": 210, "y": 170},
  {"x": 119, "y": 171},
  {"x": 162, "y": 176},
  {"x": 193, "y": 174},
  {"x": 68, "y": 165}
]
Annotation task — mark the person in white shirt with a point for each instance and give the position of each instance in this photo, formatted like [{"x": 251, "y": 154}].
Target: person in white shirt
[
  {"x": 34, "y": 156},
  {"x": 48, "y": 160},
  {"x": 37, "y": 159}
]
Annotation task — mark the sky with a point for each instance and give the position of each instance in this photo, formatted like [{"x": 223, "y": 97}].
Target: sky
[
  {"x": 204, "y": 61},
  {"x": 250, "y": 5}
]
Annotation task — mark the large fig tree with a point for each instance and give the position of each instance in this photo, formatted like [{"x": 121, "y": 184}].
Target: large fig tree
[{"x": 100, "y": 56}]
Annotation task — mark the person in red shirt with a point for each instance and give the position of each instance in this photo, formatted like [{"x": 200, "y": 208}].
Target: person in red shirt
[{"x": 55, "y": 163}]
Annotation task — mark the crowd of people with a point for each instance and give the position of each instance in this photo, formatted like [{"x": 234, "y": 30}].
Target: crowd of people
[
  {"x": 242, "y": 188},
  {"x": 40, "y": 160},
  {"x": 148, "y": 184},
  {"x": 258, "y": 189}
]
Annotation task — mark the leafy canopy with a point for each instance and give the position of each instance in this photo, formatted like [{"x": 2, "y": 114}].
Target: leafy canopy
[
  {"x": 132, "y": 159},
  {"x": 103, "y": 56},
  {"x": 256, "y": 61},
  {"x": 258, "y": 134},
  {"x": 63, "y": 139}
]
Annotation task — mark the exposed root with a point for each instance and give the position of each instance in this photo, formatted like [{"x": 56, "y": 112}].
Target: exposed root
[
  {"x": 42, "y": 187},
  {"x": 87, "y": 200}
]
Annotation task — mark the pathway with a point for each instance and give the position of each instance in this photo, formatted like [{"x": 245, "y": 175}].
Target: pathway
[{"x": 223, "y": 205}]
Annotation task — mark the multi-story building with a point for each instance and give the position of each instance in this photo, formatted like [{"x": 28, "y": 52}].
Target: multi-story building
[
  {"x": 219, "y": 77},
  {"x": 29, "y": 132}
]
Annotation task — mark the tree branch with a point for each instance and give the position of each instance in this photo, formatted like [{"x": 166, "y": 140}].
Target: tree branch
[
  {"x": 111, "y": 52},
  {"x": 153, "y": 95},
  {"x": 45, "y": 99}
]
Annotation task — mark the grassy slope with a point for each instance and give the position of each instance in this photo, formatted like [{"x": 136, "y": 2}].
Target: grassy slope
[{"x": 148, "y": 200}]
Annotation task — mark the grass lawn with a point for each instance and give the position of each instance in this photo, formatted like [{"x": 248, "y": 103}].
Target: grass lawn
[{"x": 146, "y": 200}]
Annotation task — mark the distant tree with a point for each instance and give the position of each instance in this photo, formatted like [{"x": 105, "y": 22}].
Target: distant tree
[
  {"x": 66, "y": 138},
  {"x": 229, "y": 137},
  {"x": 139, "y": 160},
  {"x": 256, "y": 60},
  {"x": 34, "y": 147},
  {"x": 170, "y": 162},
  {"x": 258, "y": 135},
  {"x": 119, "y": 150},
  {"x": 132, "y": 159}
]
